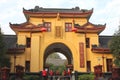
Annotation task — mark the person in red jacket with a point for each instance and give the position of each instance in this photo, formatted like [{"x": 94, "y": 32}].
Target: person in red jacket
[
  {"x": 44, "y": 75},
  {"x": 64, "y": 72},
  {"x": 57, "y": 74},
  {"x": 51, "y": 73},
  {"x": 69, "y": 72}
]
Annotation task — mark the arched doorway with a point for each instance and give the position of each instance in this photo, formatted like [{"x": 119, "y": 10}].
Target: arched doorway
[{"x": 61, "y": 48}]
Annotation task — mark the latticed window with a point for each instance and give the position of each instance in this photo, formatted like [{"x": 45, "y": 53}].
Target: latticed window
[
  {"x": 87, "y": 42},
  {"x": 68, "y": 27},
  {"x": 47, "y": 25},
  {"x": 28, "y": 42}
]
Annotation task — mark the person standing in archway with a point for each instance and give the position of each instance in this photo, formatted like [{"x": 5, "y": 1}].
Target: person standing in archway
[
  {"x": 69, "y": 74},
  {"x": 64, "y": 74},
  {"x": 44, "y": 75},
  {"x": 51, "y": 73},
  {"x": 57, "y": 74}
]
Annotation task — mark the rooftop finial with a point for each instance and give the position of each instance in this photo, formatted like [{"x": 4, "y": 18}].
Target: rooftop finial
[
  {"x": 36, "y": 7},
  {"x": 77, "y": 8}
]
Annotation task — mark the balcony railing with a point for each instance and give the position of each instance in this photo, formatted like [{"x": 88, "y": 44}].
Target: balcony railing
[{"x": 99, "y": 49}]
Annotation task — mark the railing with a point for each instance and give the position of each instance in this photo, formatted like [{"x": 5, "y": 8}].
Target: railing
[
  {"x": 74, "y": 76},
  {"x": 60, "y": 78}
]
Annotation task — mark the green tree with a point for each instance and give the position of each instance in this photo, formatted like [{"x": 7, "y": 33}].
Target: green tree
[
  {"x": 115, "y": 47},
  {"x": 53, "y": 67},
  {"x": 4, "y": 59},
  {"x": 54, "y": 56}
]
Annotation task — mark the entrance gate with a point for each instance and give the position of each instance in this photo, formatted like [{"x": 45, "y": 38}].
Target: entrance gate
[
  {"x": 67, "y": 31},
  {"x": 59, "y": 47}
]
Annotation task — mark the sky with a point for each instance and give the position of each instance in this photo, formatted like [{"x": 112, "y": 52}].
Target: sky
[{"x": 105, "y": 11}]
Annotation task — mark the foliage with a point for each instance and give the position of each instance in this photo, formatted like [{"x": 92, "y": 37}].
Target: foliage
[
  {"x": 31, "y": 77},
  {"x": 115, "y": 47},
  {"x": 2, "y": 46},
  {"x": 86, "y": 77},
  {"x": 53, "y": 67},
  {"x": 60, "y": 68},
  {"x": 27, "y": 77},
  {"x": 12, "y": 78},
  {"x": 4, "y": 59},
  {"x": 54, "y": 56}
]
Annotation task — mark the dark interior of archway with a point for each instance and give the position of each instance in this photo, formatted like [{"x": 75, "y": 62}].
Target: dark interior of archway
[{"x": 58, "y": 47}]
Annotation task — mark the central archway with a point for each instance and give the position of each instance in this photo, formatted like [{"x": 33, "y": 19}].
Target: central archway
[{"x": 58, "y": 47}]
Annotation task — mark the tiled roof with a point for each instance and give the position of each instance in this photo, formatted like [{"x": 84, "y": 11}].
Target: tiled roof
[
  {"x": 41, "y": 9},
  {"x": 10, "y": 40},
  {"x": 104, "y": 41},
  {"x": 11, "y": 44},
  {"x": 57, "y": 12}
]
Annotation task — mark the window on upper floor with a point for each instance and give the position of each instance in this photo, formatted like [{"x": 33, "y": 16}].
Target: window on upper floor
[
  {"x": 28, "y": 42},
  {"x": 87, "y": 42},
  {"x": 68, "y": 27},
  {"x": 47, "y": 25}
]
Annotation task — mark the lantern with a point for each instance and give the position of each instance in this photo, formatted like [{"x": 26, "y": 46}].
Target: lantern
[
  {"x": 74, "y": 30},
  {"x": 43, "y": 29}
]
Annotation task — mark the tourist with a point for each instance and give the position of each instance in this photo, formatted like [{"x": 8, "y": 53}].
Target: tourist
[
  {"x": 57, "y": 74},
  {"x": 51, "y": 73},
  {"x": 44, "y": 75},
  {"x": 69, "y": 72},
  {"x": 64, "y": 72}
]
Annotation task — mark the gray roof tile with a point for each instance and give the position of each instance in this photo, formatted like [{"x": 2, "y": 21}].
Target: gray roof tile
[
  {"x": 104, "y": 41},
  {"x": 10, "y": 40}
]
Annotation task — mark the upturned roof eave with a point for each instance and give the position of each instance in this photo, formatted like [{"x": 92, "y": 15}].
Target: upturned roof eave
[
  {"x": 22, "y": 27},
  {"x": 95, "y": 29}
]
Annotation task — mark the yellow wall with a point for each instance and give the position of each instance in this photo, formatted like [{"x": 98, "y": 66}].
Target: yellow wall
[{"x": 41, "y": 40}]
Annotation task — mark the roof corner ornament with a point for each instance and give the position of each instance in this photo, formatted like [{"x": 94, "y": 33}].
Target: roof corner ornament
[
  {"x": 24, "y": 9},
  {"x": 10, "y": 23},
  {"x": 92, "y": 9},
  {"x": 105, "y": 24}
]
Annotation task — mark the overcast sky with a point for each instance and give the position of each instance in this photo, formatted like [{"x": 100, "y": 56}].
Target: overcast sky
[{"x": 105, "y": 11}]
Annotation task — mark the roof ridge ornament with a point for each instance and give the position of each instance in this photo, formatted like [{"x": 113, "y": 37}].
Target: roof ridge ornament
[{"x": 77, "y": 8}]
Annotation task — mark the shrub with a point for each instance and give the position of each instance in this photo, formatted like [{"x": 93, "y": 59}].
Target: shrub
[
  {"x": 12, "y": 78},
  {"x": 31, "y": 77},
  {"x": 86, "y": 77}
]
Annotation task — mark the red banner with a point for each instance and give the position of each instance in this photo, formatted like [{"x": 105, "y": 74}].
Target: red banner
[{"x": 81, "y": 52}]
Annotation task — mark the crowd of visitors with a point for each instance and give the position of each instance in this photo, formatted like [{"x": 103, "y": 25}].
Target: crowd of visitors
[{"x": 55, "y": 75}]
